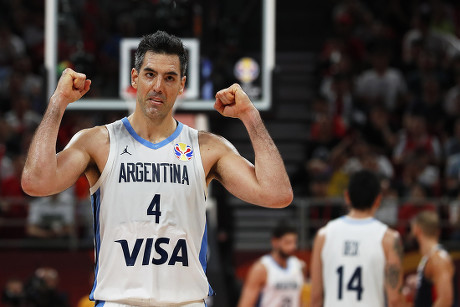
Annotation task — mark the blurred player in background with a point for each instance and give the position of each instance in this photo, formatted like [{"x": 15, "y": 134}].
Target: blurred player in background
[
  {"x": 276, "y": 280},
  {"x": 356, "y": 257},
  {"x": 436, "y": 282},
  {"x": 149, "y": 176}
]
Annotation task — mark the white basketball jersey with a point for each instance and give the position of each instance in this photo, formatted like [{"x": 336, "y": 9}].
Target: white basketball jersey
[
  {"x": 353, "y": 263},
  {"x": 149, "y": 209},
  {"x": 283, "y": 285}
]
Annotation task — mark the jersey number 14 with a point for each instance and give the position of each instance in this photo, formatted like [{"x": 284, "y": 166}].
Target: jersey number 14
[{"x": 354, "y": 284}]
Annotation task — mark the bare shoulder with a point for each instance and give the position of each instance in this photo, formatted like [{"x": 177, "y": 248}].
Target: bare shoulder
[
  {"x": 320, "y": 239},
  {"x": 391, "y": 242},
  {"x": 258, "y": 270},
  {"x": 441, "y": 259},
  {"x": 390, "y": 237},
  {"x": 90, "y": 138},
  {"x": 321, "y": 234}
]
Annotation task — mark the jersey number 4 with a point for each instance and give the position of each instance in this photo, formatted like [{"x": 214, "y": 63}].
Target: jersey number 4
[
  {"x": 154, "y": 208},
  {"x": 354, "y": 284}
]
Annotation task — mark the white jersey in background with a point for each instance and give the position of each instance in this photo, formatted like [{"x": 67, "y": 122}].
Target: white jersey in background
[
  {"x": 150, "y": 220},
  {"x": 283, "y": 285},
  {"x": 353, "y": 263}
]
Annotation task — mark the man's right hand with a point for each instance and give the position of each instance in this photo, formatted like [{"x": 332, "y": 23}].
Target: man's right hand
[{"x": 71, "y": 87}]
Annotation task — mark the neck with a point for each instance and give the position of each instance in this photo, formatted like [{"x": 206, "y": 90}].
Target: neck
[
  {"x": 426, "y": 245},
  {"x": 280, "y": 260},
  {"x": 154, "y": 131},
  {"x": 359, "y": 214}
]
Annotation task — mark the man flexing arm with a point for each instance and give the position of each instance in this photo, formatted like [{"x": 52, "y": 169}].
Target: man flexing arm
[
  {"x": 46, "y": 173},
  {"x": 265, "y": 183}
]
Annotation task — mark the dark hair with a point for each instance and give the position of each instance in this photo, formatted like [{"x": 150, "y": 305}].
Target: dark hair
[
  {"x": 282, "y": 229},
  {"x": 162, "y": 43},
  {"x": 363, "y": 189}
]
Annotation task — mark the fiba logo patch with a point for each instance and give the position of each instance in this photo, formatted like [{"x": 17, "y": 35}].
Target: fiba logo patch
[
  {"x": 183, "y": 151},
  {"x": 246, "y": 70}
]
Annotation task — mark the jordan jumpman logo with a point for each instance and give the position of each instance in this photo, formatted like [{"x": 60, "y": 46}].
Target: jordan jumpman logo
[{"x": 126, "y": 151}]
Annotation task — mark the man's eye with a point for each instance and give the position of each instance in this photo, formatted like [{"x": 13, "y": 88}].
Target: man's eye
[{"x": 149, "y": 74}]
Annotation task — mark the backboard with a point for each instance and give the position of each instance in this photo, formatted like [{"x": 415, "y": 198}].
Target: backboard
[{"x": 228, "y": 41}]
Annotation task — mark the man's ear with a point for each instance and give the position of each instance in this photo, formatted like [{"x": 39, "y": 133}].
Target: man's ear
[
  {"x": 181, "y": 91},
  {"x": 134, "y": 76}
]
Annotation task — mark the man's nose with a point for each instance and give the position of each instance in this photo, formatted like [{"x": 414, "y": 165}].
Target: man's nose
[{"x": 158, "y": 84}]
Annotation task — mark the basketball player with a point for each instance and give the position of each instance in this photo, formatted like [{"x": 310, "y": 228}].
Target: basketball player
[
  {"x": 355, "y": 257},
  {"x": 276, "y": 280},
  {"x": 148, "y": 177},
  {"x": 436, "y": 271}
]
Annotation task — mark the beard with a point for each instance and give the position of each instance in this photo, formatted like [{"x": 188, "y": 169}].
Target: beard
[{"x": 284, "y": 254}]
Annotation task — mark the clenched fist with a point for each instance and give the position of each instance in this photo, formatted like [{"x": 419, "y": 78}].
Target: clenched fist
[
  {"x": 233, "y": 102},
  {"x": 71, "y": 87}
]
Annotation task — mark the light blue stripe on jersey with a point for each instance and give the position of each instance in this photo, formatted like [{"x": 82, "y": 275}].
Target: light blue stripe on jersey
[
  {"x": 203, "y": 252},
  {"x": 99, "y": 304},
  {"x": 144, "y": 142},
  {"x": 354, "y": 221},
  {"x": 96, "y": 204}
]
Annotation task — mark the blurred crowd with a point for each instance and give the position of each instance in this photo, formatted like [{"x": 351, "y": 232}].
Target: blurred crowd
[
  {"x": 39, "y": 290},
  {"x": 388, "y": 99}
]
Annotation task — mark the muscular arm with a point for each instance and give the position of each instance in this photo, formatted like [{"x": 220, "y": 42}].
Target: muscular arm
[
  {"x": 317, "y": 291},
  {"x": 442, "y": 274},
  {"x": 394, "y": 253},
  {"x": 265, "y": 183},
  {"x": 45, "y": 172},
  {"x": 253, "y": 285}
]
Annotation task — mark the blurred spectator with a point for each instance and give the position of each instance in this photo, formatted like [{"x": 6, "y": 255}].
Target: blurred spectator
[
  {"x": 452, "y": 166},
  {"x": 13, "y": 202},
  {"x": 379, "y": 131},
  {"x": 11, "y": 45},
  {"x": 427, "y": 66},
  {"x": 347, "y": 16},
  {"x": 419, "y": 170},
  {"x": 415, "y": 137},
  {"x": 22, "y": 117},
  {"x": 430, "y": 105},
  {"x": 452, "y": 99},
  {"x": 362, "y": 156},
  {"x": 32, "y": 84},
  {"x": 326, "y": 130},
  {"x": 454, "y": 217},
  {"x": 444, "y": 45},
  {"x": 321, "y": 208},
  {"x": 337, "y": 90},
  {"x": 42, "y": 289},
  {"x": 381, "y": 84},
  {"x": 52, "y": 216},
  {"x": 13, "y": 294},
  {"x": 388, "y": 210},
  {"x": 416, "y": 202}
]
